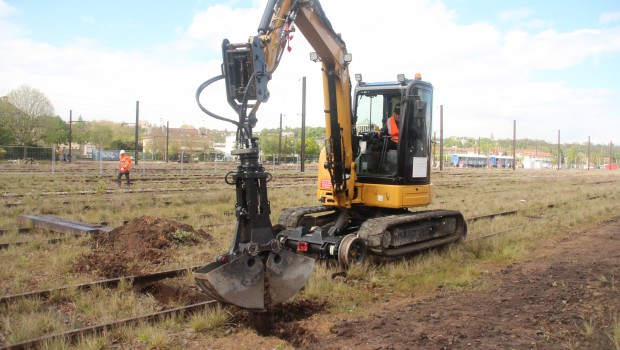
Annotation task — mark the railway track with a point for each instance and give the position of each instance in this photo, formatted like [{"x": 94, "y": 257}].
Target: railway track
[
  {"x": 130, "y": 190},
  {"x": 75, "y": 334},
  {"x": 138, "y": 280},
  {"x": 184, "y": 217},
  {"x": 108, "y": 283}
]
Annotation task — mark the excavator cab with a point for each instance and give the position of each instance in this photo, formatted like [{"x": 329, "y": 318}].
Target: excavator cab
[{"x": 380, "y": 160}]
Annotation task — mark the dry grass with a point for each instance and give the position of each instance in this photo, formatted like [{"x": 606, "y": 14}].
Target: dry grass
[
  {"x": 39, "y": 265},
  {"x": 209, "y": 320}
]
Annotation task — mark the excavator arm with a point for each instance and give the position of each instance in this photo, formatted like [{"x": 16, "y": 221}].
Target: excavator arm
[
  {"x": 259, "y": 270},
  {"x": 249, "y": 67}
]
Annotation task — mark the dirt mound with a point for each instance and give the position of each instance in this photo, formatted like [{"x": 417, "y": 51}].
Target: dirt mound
[{"x": 140, "y": 246}]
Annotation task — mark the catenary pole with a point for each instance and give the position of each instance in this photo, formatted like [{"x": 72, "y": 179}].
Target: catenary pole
[
  {"x": 70, "y": 131},
  {"x": 303, "y": 124},
  {"x": 588, "y": 156},
  {"x": 559, "y": 160},
  {"x": 514, "y": 144},
  {"x": 440, "y": 137},
  {"x": 137, "y": 119}
]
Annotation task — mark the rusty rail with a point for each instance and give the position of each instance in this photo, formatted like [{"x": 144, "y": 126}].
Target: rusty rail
[
  {"x": 74, "y": 334},
  {"x": 110, "y": 283}
]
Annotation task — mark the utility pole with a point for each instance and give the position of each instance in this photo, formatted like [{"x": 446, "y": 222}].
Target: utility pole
[
  {"x": 434, "y": 147},
  {"x": 588, "y": 156},
  {"x": 611, "y": 145},
  {"x": 167, "y": 138},
  {"x": 514, "y": 144},
  {"x": 440, "y": 137},
  {"x": 559, "y": 160},
  {"x": 280, "y": 141},
  {"x": 303, "y": 124},
  {"x": 70, "y": 136},
  {"x": 137, "y": 118}
]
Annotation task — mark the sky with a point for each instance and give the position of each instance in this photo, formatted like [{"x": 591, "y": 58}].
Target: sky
[{"x": 548, "y": 65}]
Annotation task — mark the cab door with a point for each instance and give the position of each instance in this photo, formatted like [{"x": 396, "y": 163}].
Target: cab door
[{"x": 415, "y": 146}]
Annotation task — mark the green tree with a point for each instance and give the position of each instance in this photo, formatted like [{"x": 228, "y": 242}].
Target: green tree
[
  {"x": 8, "y": 113},
  {"x": 268, "y": 142},
  {"x": 80, "y": 131},
  {"x": 56, "y": 130},
  {"x": 122, "y": 144},
  {"x": 29, "y": 125},
  {"x": 102, "y": 134},
  {"x": 315, "y": 132},
  {"x": 312, "y": 147}
]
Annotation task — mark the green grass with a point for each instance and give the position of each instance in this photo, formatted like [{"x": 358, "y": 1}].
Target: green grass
[
  {"x": 209, "y": 320},
  {"x": 455, "y": 268}
]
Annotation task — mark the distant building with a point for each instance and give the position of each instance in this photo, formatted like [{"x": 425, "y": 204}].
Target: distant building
[
  {"x": 178, "y": 139},
  {"x": 536, "y": 163}
]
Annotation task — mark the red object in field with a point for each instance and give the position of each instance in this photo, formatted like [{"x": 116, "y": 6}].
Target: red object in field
[{"x": 302, "y": 247}]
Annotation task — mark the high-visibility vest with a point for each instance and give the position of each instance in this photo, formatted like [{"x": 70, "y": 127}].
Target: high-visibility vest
[
  {"x": 393, "y": 128},
  {"x": 125, "y": 163}
]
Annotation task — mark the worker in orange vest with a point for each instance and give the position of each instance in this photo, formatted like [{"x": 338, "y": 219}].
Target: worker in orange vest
[
  {"x": 392, "y": 124},
  {"x": 124, "y": 167}
]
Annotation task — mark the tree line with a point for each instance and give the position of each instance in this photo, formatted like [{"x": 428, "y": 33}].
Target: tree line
[{"x": 27, "y": 119}]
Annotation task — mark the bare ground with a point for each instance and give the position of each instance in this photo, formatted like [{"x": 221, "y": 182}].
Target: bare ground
[{"x": 566, "y": 297}]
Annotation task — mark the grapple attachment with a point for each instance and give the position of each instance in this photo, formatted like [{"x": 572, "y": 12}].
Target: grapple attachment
[
  {"x": 251, "y": 283},
  {"x": 257, "y": 272}
]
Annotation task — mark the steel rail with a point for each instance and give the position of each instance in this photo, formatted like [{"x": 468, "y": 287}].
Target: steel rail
[
  {"x": 140, "y": 191},
  {"x": 17, "y": 244},
  {"x": 74, "y": 334},
  {"x": 109, "y": 283}
]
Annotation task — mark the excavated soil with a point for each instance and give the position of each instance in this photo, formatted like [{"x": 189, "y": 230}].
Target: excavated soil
[
  {"x": 141, "y": 246},
  {"x": 281, "y": 321}
]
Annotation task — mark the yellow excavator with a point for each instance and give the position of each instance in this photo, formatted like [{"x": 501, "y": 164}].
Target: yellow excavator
[{"x": 367, "y": 183}]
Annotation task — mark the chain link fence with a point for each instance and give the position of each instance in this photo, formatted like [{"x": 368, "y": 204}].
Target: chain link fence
[
  {"x": 18, "y": 156},
  {"x": 18, "y": 159}
]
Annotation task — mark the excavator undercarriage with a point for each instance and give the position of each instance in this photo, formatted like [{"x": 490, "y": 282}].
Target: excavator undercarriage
[{"x": 384, "y": 233}]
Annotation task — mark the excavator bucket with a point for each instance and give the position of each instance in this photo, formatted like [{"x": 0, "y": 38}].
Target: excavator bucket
[
  {"x": 286, "y": 274},
  {"x": 250, "y": 283}
]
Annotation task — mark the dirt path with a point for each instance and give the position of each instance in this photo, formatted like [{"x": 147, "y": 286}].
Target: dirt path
[{"x": 566, "y": 297}]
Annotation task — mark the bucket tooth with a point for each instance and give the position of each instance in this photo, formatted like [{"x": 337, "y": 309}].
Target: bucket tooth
[{"x": 239, "y": 282}]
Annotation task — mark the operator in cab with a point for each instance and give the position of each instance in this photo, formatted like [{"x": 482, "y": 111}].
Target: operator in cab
[
  {"x": 392, "y": 124},
  {"x": 391, "y": 128}
]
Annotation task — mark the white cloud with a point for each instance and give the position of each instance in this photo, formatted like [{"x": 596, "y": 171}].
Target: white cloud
[
  {"x": 221, "y": 21},
  {"x": 485, "y": 78},
  {"x": 514, "y": 15},
  {"x": 6, "y": 10},
  {"x": 609, "y": 17}
]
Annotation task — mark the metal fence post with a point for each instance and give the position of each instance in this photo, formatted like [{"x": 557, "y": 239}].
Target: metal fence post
[
  {"x": 100, "y": 162},
  {"x": 53, "y": 159}
]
